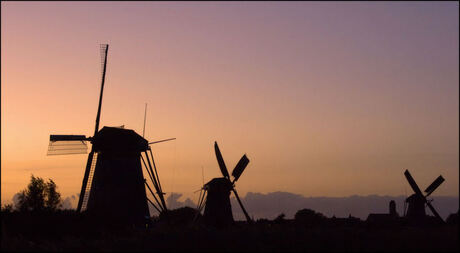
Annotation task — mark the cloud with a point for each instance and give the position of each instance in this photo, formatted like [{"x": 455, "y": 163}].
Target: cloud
[
  {"x": 270, "y": 205},
  {"x": 173, "y": 203},
  {"x": 69, "y": 202}
]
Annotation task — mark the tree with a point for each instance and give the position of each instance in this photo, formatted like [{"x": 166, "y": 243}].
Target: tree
[
  {"x": 309, "y": 217},
  {"x": 53, "y": 198},
  {"x": 280, "y": 218},
  {"x": 39, "y": 196}
]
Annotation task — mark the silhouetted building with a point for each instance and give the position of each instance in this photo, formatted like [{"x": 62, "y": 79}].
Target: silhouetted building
[
  {"x": 349, "y": 221},
  {"x": 117, "y": 190},
  {"x": 218, "y": 211},
  {"x": 416, "y": 208},
  {"x": 393, "y": 212},
  {"x": 384, "y": 218},
  {"x": 417, "y": 201}
]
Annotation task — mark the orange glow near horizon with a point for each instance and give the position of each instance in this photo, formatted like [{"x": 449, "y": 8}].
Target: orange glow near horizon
[{"x": 326, "y": 99}]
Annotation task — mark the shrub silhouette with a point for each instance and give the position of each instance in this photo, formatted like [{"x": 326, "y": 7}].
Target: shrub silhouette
[
  {"x": 309, "y": 217},
  {"x": 452, "y": 218},
  {"x": 280, "y": 219},
  {"x": 39, "y": 196},
  {"x": 180, "y": 216}
]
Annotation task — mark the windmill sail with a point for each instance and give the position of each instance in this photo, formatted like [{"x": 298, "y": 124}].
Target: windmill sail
[
  {"x": 412, "y": 183},
  {"x": 221, "y": 162},
  {"x": 104, "y": 49},
  {"x": 436, "y": 183},
  {"x": 91, "y": 162},
  {"x": 241, "y": 205},
  {"x": 84, "y": 198},
  {"x": 239, "y": 168},
  {"x": 67, "y": 144}
]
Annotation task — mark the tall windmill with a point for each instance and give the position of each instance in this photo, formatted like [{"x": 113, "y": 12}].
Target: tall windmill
[
  {"x": 417, "y": 201},
  {"x": 217, "y": 191},
  {"x": 113, "y": 184},
  {"x": 76, "y": 144}
]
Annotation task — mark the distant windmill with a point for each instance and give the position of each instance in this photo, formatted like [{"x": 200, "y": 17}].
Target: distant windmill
[
  {"x": 218, "y": 210},
  {"x": 113, "y": 184},
  {"x": 417, "y": 201}
]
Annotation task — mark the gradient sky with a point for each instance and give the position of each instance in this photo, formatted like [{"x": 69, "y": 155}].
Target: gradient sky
[{"x": 326, "y": 99}]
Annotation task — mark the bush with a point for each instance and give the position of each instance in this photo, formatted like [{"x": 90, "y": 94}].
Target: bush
[
  {"x": 309, "y": 217},
  {"x": 180, "y": 216},
  {"x": 452, "y": 219},
  {"x": 280, "y": 219}
]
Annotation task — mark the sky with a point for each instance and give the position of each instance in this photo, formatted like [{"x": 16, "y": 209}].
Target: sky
[{"x": 325, "y": 98}]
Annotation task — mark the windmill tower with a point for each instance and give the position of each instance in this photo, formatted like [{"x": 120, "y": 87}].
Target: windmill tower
[
  {"x": 218, "y": 211},
  {"x": 417, "y": 201},
  {"x": 113, "y": 184}
]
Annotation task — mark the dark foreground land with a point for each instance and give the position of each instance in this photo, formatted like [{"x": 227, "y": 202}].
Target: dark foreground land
[{"x": 68, "y": 231}]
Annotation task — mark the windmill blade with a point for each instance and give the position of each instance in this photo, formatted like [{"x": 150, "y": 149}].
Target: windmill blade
[
  {"x": 55, "y": 137},
  {"x": 200, "y": 206},
  {"x": 104, "y": 49},
  {"x": 433, "y": 186},
  {"x": 67, "y": 147},
  {"x": 67, "y": 144},
  {"x": 87, "y": 181},
  {"x": 412, "y": 183},
  {"x": 221, "y": 162},
  {"x": 434, "y": 212},
  {"x": 242, "y": 207},
  {"x": 202, "y": 200},
  {"x": 239, "y": 168},
  {"x": 170, "y": 139}
]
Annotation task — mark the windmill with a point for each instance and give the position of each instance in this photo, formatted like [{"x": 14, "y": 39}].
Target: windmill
[
  {"x": 217, "y": 191},
  {"x": 113, "y": 184},
  {"x": 417, "y": 201}
]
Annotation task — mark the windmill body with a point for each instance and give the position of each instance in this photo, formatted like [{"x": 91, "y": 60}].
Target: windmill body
[
  {"x": 117, "y": 190},
  {"x": 218, "y": 211},
  {"x": 416, "y": 208}
]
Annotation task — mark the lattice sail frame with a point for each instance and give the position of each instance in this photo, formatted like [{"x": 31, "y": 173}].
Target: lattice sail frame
[{"x": 67, "y": 147}]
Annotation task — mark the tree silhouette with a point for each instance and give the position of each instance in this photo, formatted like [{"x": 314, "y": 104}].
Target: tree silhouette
[
  {"x": 39, "y": 196},
  {"x": 309, "y": 217},
  {"x": 53, "y": 198},
  {"x": 280, "y": 218},
  {"x": 452, "y": 218}
]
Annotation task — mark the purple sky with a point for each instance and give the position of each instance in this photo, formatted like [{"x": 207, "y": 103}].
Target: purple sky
[{"x": 326, "y": 99}]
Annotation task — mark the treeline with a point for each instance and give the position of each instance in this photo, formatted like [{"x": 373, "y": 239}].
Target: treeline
[{"x": 38, "y": 196}]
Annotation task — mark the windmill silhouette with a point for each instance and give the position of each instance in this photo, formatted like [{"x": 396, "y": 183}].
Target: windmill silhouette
[
  {"x": 417, "y": 201},
  {"x": 113, "y": 184},
  {"x": 216, "y": 194}
]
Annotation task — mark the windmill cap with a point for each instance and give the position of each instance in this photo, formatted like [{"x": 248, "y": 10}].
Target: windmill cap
[
  {"x": 119, "y": 140},
  {"x": 219, "y": 182}
]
